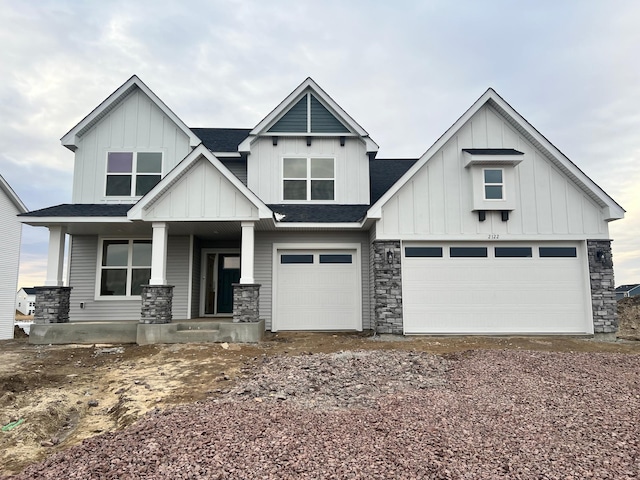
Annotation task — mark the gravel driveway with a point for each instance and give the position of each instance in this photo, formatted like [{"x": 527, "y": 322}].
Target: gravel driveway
[{"x": 388, "y": 414}]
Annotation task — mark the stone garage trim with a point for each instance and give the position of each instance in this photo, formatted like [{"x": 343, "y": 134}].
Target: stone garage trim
[
  {"x": 603, "y": 296},
  {"x": 387, "y": 288}
]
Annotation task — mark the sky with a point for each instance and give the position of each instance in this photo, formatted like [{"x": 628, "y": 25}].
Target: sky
[{"x": 404, "y": 70}]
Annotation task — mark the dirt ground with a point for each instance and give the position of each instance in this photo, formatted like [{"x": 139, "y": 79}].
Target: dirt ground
[{"x": 65, "y": 394}]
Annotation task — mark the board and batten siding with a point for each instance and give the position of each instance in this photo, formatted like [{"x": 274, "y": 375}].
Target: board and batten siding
[
  {"x": 134, "y": 124},
  {"x": 263, "y": 266},
  {"x": 438, "y": 199},
  {"x": 83, "y": 276},
  {"x": 264, "y": 166},
  {"x": 10, "y": 236},
  {"x": 203, "y": 193}
]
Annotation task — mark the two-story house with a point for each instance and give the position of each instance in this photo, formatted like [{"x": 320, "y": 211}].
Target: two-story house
[{"x": 295, "y": 224}]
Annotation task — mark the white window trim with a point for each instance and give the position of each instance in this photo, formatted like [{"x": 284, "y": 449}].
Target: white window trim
[
  {"x": 129, "y": 268},
  {"x": 487, "y": 184},
  {"x": 307, "y": 179},
  {"x": 134, "y": 171}
]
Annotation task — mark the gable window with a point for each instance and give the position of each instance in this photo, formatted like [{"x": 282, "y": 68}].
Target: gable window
[
  {"x": 125, "y": 265},
  {"x": 132, "y": 174},
  {"x": 493, "y": 184},
  {"x": 308, "y": 179}
]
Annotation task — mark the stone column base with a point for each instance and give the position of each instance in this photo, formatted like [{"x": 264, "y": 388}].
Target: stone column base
[
  {"x": 603, "y": 295},
  {"x": 52, "y": 304},
  {"x": 157, "y": 301},
  {"x": 246, "y": 302},
  {"x": 387, "y": 280}
]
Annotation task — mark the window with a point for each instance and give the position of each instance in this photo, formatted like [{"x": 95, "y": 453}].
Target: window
[
  {"x": 132, "y": 174},
  {"x": 502, "y": 252},
  {"x": 308, "y": 179},
  {"x": 125, "y": 266},
  {"x": 296, "y": 258},
  {"x": 468, "y": 252},
  {"x": 335, "y": 258},
  {"x": 423, "y": 252},
  {"x": 557, "y": 252},
  {"x": 493, "y": 184}
]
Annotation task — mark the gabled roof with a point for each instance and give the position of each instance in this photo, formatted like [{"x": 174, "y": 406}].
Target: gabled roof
[
  {"x": 29, "y": 290},
  {"x": 612, "y": 210},
  {"x": 12, "y": 195},
  {"x": 69, "y": 140},
  {"x": 182, "y": 169},
  {"x": 292, "y": 99},
  {"x": 222, "y": 140}
]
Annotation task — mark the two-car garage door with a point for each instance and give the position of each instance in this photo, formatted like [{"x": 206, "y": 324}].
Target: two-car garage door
[{"x": 495, "y": 288}]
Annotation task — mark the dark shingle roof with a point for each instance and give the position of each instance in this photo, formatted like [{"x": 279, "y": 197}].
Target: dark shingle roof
[
  {"x": 320, "y": 213},
  {"x": 626, "y": 288},
  {"x": 492, "y": 151},
  {"x": 82, "y": 210},
  {"x": 29, "y": 290},
  {"x": 384, "y": 173},
  {"x": 222, "y": 139}
]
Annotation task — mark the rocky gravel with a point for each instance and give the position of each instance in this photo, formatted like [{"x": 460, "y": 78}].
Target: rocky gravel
[{"x": 388, "y": 414}]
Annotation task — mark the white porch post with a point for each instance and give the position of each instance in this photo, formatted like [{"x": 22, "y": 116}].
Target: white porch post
[
  {"x": 159, "y": 254},
  {"x": 247, "y": 253},
  {"x": 55, "y": 260}
]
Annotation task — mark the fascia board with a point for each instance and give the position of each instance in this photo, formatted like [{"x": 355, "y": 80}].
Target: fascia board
[
  {"x": 13, "y": 196},
  {"x": 376, "y": 209},
  {"x": 69, "y": 139},
  {"x": 316, "y": 225},
  {"x": 46, "y": 221},
  {"x": 611, "y": 208},
  {"x": 181, "y": 169}
]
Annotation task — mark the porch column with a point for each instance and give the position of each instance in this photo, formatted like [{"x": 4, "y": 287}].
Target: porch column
[
  {"x": 55, "y": 260},
  {"x": 159, "y": 254},
  {"x": 247, "y": 253},
  {"x": 157, "y": 297}
]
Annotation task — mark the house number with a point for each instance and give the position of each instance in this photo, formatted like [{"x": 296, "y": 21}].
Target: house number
[{"x": 494, "y": 236}]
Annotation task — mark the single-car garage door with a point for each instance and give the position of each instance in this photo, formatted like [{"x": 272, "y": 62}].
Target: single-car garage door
[
  {"x": 496, "y": 288},
  {"x": 317, "y": 290}
]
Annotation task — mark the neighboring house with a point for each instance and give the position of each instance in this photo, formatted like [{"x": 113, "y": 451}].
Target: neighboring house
[
  {"x": 297, "y": 223},
  {"x": 624, "y": 291},
  {"x": 10, "y": 236},
  {"x": 26, "y": 301}
]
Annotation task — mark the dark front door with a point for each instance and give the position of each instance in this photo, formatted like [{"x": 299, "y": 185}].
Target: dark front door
[{"x": 228, "y": 274}]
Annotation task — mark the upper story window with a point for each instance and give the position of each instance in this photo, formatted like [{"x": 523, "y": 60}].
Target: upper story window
[
  {"x": 308, "y": 179},
  {"x": 132, "y": 174},
  {"x": 125, "y": 265},
  {"x": 493, "y": 184}
]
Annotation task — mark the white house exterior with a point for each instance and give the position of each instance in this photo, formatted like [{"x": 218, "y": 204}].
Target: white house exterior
[
  {"x": 297, "y": 224},
  {"x": 26, "y": 301},
  {"x": 10, "y": 236}
]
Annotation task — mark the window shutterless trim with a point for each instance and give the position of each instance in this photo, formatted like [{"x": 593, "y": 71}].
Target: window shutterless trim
[
  {"x": 308, "y": 179},
  {"x": 486, "y": 184},
  {"x": 134, "y": 174},
  {"x": 129, "y": 267}
]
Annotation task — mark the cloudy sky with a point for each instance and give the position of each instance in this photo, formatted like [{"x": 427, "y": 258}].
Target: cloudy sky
[{"x": 405, "y": 70}]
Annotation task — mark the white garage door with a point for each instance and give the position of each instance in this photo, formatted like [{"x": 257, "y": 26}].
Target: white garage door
[
  {"x": 495, "y": 288},
  {"x": 317, "y": 290}
]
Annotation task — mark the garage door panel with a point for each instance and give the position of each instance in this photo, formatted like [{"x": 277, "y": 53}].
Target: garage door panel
[
  {"x": 495, "y": 295},
  {"x": 318, "y": 296}
]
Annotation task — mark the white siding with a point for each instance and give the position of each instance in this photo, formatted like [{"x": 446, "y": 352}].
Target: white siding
[
  {"x": 264, "y": 264},
  {"x": 136, "y": 123},
  {"x": 10, "y": 235},
  {"x": 203, "y": 193},
  {"x": 438, "y": 201},
  {"x": 264, "y": 166},
  {"x": 82, "y": 277}
]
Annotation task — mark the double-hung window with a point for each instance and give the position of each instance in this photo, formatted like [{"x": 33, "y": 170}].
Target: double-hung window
[
  {"x": 132, "y": 174},
  {"x": 125, "y": 265},
  {"x": 308, "y": 179},
  {"x": 493, "y": 184}
]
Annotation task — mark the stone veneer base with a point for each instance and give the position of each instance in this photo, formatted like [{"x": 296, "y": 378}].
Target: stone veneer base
[{"x": 603, "y": 296}]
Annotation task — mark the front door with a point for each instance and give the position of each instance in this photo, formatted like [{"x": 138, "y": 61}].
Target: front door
[
  {"x": 221, "y": 271},
  {"x": 228, "y": 274}
]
